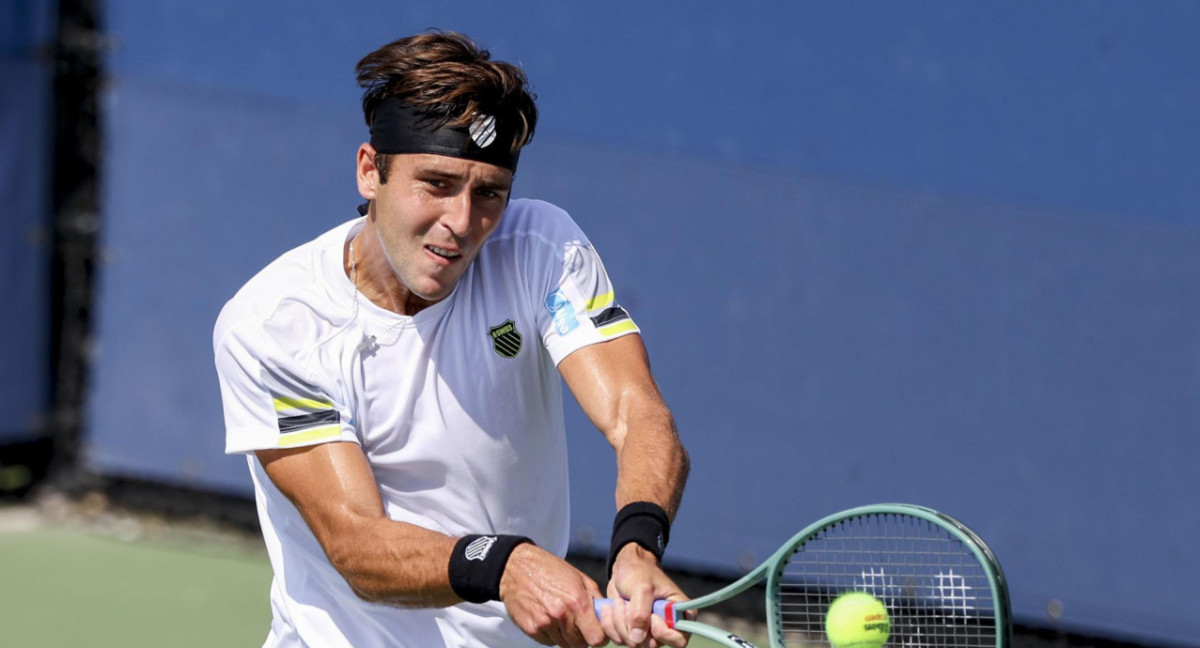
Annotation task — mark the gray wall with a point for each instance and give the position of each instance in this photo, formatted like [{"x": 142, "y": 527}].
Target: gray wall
[{"x": 929, "y": 252}]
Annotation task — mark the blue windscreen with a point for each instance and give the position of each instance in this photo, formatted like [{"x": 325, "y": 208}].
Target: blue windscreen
[
  {"x": 927, "y": 252},
  {"x": 25, "y": 142}
]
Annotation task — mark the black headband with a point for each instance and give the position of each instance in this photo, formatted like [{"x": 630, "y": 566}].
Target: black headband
[{"x": 398, "y": 128}]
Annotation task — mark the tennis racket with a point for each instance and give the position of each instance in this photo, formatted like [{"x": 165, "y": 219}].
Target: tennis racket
[{"x": 940, "y": 583}]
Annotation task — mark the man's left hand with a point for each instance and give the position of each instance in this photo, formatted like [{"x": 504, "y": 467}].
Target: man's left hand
[{"x": 637, "y": 581}]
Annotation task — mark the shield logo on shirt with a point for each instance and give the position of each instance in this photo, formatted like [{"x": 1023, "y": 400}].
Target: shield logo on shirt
[{"x": 506, "y": 340}]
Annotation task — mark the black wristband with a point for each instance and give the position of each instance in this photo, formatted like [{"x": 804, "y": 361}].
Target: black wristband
[
  {"x": 644, "y": 523},
  {"x": 478, "y": 563}
]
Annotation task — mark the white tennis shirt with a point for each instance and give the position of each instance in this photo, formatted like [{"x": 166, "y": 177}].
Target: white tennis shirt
[{"x": 458, "y": 409}]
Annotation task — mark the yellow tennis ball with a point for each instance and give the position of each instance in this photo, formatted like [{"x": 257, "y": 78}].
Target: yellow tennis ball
[{"x": 857, "y": 620}]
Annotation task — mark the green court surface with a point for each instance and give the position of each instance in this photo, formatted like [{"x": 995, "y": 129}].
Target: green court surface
[
  {"x": 72, "y": 586},
  {"x": 63, "y": 587}
]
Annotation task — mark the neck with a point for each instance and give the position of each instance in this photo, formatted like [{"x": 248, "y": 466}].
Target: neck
[{"x": 368, "y": 269}]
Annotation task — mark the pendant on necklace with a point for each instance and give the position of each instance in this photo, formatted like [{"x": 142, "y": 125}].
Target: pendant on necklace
[{"x": 368, "y": 343}]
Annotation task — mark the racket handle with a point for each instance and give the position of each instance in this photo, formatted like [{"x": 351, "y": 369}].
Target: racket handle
[{"x": 662, "y": 608}]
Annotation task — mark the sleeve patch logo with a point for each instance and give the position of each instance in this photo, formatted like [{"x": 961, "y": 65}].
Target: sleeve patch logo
[
  {"x": 506, "y": 340},
  {"x": 562, "y": 312}
]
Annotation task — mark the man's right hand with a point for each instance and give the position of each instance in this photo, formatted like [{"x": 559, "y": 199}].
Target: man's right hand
[{"x": 550, "y": 600}]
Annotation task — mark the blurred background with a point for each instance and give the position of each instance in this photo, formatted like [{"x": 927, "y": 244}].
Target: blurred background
[{"x": 936, "y": 252}]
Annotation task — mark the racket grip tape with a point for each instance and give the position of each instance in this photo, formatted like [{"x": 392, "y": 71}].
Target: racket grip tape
[{"x": 663, "y": 609}]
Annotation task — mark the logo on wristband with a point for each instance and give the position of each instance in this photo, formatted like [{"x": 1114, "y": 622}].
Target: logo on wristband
[{"x": 479, "y": 548}]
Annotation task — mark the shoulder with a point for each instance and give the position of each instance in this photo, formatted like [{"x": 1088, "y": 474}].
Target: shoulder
[
  {"x": 527, "y": 219},
  {"x": 291, "y": 300}
]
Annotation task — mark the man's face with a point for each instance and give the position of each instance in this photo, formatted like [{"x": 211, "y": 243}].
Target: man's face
[{"x": 433, "y": 215}]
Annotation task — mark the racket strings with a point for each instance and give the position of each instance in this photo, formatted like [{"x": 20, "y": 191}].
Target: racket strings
[{"x": 936, "y": 592}]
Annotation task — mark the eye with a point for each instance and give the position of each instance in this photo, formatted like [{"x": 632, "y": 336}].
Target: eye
[{"x": 436, "y": 183}]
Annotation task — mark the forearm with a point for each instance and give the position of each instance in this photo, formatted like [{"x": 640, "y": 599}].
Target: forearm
[
  {"x": 614, "y": 386},
  {"x": 382, "y": 560},
  {"x": 652, "y": 467},
  {"x": 652, "y": 464},
  {"x": 391, "y": 562}
]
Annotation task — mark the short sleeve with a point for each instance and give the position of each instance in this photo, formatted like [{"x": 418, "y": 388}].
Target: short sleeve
[
  {"x": 271, "y": 398},
  {"x": 580, "y": 307}
]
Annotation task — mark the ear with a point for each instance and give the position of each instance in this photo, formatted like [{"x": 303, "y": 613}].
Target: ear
[{"x": 367, "y": 172}]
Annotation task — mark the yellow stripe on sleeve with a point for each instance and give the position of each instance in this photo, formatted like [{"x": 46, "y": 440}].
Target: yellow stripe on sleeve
[
  {"x": 293, "y": 439},
  {"x": 288, "y": 402},
  {"x": 619, "y": 327},
  {"x": 600, "y": 301}
]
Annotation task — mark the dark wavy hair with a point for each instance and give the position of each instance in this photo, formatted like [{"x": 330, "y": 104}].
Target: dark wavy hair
[{"x": 449, "y": 79}]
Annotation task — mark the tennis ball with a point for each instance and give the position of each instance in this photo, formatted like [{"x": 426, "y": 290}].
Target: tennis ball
[{"x": 857, "y": 620}]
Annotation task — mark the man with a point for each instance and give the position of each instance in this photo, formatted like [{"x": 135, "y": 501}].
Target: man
[{"x": 393, "y": 384}]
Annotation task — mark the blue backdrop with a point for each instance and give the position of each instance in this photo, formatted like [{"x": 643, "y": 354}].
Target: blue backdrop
[
  {"x": 929, "y": 252},
  {"x": 26, "y": 120}
]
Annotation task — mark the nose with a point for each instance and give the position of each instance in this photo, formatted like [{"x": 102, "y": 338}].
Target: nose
[{"x": 457, "y": 214}]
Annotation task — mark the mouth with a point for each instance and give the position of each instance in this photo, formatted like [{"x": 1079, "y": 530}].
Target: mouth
[{"x": 445, "y": 254}]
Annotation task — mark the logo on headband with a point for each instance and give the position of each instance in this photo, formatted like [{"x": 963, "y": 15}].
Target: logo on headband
[{"x": 483, "y": 130}]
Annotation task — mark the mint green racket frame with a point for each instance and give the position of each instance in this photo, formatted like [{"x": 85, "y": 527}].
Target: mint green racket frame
[{"x": 772, "y": 571}]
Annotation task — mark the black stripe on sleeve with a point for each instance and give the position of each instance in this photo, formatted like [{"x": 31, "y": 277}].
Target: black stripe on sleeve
[
  {"x": 610, "y": 315},
  {"x": 305, "y": 421}
]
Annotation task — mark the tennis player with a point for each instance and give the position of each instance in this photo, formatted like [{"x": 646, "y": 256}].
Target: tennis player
[{"x": 395, "y": 386}]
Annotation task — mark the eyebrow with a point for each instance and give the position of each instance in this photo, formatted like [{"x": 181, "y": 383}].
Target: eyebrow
[
  {"x": 450, "y": 175},
  {"x": 495, "y": 186}
]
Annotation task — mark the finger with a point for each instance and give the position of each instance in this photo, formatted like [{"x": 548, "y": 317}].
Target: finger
[
  {"x": 640, "y": 610},
  {"x": 589, "y": 627},
  {"x": 558, "y": 637},
  {"x": 609, "y": 623},
  {"x": 620, "y": 611},
  {"x": 593, "y": 630},
  {"x": 549, "y": 633},
  {"x": 664, "y": 635},
  {"x": 573, "y": 634}
]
